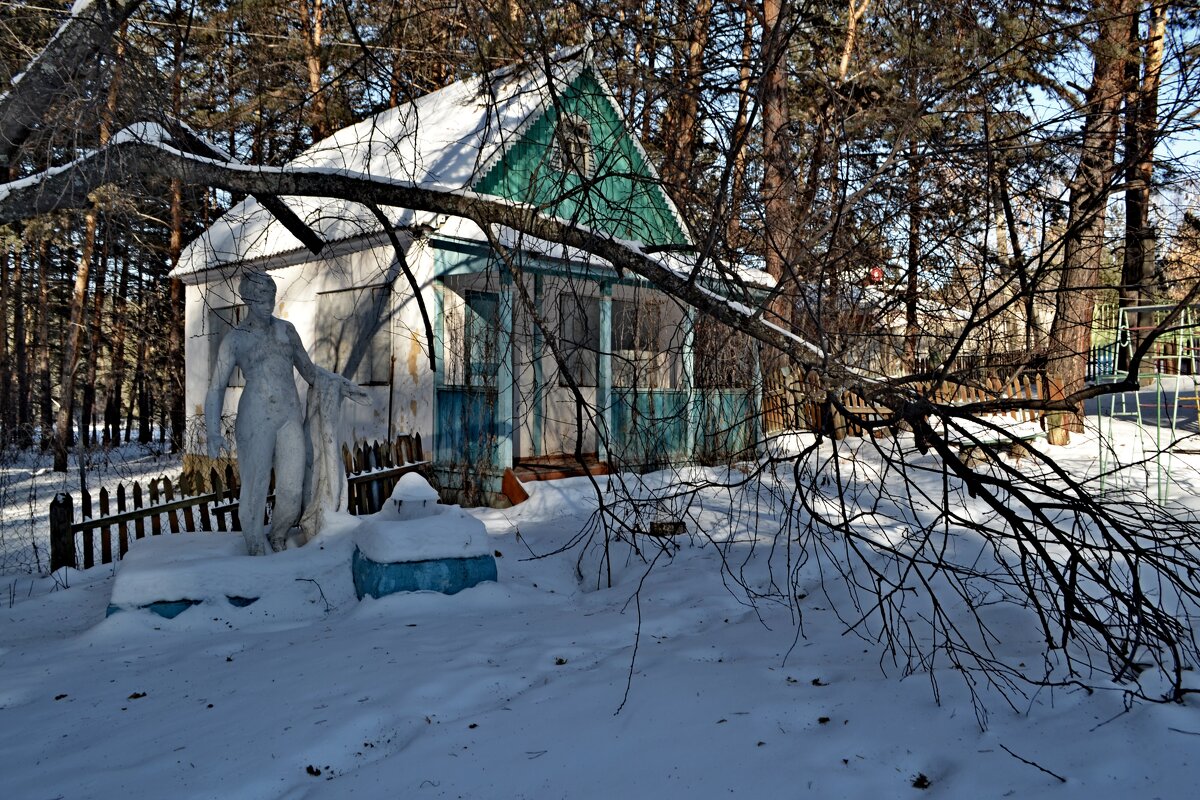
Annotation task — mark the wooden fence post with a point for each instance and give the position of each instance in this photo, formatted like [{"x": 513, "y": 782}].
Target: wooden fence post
[{"x": 62, "y": 540}]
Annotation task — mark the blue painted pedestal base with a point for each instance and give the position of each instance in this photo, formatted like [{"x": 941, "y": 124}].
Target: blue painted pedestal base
[
  {"x": 445, "y": 575},
  {"x": 170, "y": 609}
]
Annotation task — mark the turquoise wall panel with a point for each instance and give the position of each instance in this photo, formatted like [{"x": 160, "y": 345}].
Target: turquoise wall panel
[
  {"x": 649, "y": 426},
  {"x": 466, "y": 425},
  {"x": 620, "y": 194}
]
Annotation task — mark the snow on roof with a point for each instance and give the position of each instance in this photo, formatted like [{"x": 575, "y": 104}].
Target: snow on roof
[
  {"x": 447, "y": 140},
  {"x": 682, "y": 262}
]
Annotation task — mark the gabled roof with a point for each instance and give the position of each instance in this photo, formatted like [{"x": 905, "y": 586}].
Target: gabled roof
[{"x": 448, "y": 140}]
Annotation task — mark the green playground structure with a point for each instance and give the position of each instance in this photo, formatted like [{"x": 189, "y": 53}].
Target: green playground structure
[{"x": 1155, "y": 407}]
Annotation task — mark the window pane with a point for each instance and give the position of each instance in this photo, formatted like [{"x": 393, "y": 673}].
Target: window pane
[
  {"x": 637, "y": 360},
  {"x": 354, "y": 327},
  {"x": 579, "y": 334},
  {"x": 481, "y": 325}
]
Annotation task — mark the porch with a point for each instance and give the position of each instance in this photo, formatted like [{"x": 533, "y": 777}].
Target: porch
[{"x": 618, "y": 382}]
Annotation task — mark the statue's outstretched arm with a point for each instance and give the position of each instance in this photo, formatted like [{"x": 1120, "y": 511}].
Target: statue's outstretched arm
[
  {"x": 349, "y": 390},
  {"x": 300, "y": 359}
]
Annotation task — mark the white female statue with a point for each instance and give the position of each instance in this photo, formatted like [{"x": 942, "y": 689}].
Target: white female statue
[{"x": 270, "y": 427}]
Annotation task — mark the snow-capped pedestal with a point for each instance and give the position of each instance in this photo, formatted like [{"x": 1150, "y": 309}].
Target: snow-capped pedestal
[
  {"x": 415, "y": 544},
  {"x": 412, "y": 498}
]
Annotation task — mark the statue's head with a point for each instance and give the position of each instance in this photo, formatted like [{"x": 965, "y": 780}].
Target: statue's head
[{"x": 257, "y": 287}]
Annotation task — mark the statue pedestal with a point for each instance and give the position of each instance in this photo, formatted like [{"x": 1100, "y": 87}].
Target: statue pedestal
[
  {"x": 196, "y": 578},
  {"x": 413, "y": 544},
  {"x": 445, "y": 575},
  {"x": 416, "y": 545}
]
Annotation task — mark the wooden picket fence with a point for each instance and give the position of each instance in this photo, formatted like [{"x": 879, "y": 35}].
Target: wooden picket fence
[
  {"x": 372, "y": 470},
  {"x": 801, "y": 404},
  {"x": 793, "y": 404}
]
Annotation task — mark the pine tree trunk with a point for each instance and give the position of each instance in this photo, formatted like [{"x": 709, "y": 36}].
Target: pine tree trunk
[
  {"x": 912, "y": 330},
  {"x": 1070, "y": 334},
  {"x": 74, "y": 335},
  {"x": 175, "y": 372},
  {"x": 88, "y": 408},
  {"x": 8, "y": 418},
  {"x": 776, "y": 196},
  {"x": 42, "y": 344},
  {"x": 739, "y": 135},
  {"x": 145, "y": 409},
  {"x": 311, "y": 27},
  {"x": 1141, "y": 122},
  {"x": 116, "y": 380},
  {"x": 21, "y": 355},
  {"x": 141, "y": 388},
  {"x": 681, "y": 121}
]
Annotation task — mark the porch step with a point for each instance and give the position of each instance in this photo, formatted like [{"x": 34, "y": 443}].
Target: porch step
[
  {"x": 510, "y": 487},
  {"x": 552, "y": 468}
]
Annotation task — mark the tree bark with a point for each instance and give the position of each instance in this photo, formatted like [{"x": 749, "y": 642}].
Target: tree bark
[
  {"x": 175, "y": 368},
  {"x": 141, "y": 379},
  {"x": 24, "y": 438},
  {"x": 311, "y": 26},
  {"x": 42, "y": 343},
  {"x": 116, "y": 379},
  {"x": 73, "y": 50},
  {"x": 739, "y": 136},
  {"x": 776, "y": 194},
  {"x": 1070, "y": 334},
  {"x": 88, "y": 408},
  {"x": 912, "y": 330},
  {"x": 74, "y": 335},
  {"x": 1141, "y": 123},
  {"x": 681, "y": 121},
  {"x": 8, "y": 418}
]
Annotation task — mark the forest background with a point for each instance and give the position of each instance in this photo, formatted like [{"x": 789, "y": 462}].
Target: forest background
[{"x": 993, "y": 156}]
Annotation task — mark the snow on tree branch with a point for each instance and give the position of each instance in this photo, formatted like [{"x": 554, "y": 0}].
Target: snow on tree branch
[
  {"x": 140, "y": 152},
  {"x": 72, "y": 49}
]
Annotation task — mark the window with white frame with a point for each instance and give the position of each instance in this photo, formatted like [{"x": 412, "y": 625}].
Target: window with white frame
[
  {"x": 571, "y": 150},
  {"x": 637, "y": 357},
  {"x": 353, "y": 330}
]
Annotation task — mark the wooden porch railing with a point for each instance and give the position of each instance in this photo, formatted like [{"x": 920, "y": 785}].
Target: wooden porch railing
[{"x": 372, "y": 470}]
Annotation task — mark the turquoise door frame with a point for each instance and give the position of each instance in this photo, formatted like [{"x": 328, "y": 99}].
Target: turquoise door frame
[
  {"x": 604, "y": 397},
  {"x": 538, "y": 427},
  {"x": 474, "y": 421},
  {"x": 505, "y": 417}
]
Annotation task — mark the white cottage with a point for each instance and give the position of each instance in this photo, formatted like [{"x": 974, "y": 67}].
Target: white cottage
[{"x": 494, "y": 396}]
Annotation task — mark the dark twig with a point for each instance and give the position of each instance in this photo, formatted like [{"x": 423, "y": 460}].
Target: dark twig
[
  {"x": 319, "y": 589},
  {"x": 1034, "y": 764}
]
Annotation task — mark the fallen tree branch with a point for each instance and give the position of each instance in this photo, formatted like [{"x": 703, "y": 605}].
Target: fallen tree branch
[
  {"x": 71, "y": 51},
  {"x": 69, "y": 186}
]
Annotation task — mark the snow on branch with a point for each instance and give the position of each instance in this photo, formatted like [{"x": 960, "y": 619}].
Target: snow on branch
[
  {"x": 146, "y": 153},
  {"x": 82, "y": 36}
]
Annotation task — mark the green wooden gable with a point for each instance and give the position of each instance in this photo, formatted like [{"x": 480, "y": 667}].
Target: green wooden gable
[{"x": 611, "y": 188}]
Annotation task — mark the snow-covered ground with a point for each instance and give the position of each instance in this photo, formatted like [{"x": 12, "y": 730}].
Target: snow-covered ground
[{"x": 545, "y": 685}]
